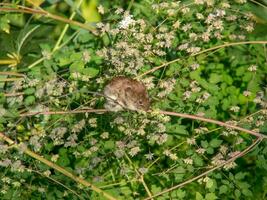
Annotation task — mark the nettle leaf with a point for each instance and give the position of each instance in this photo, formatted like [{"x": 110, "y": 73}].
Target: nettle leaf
[
  {"x": 237, "y": 193},
  {"x": 223, "y": 189},
  {"x": 240, "y": 175},
  {"x": 91, "y": 72},
  {"x": 199, "y": 196},
  {"x": 180, "y": 193},
  {"x": 177, "y": 129},
  {"x": 210, "y": 196},
  {"x": 204, "y": 144},
  {"x": 77, "y": 67},
  {"x": 29, "y": 91},
  {"x": 209, "y": 183},
  {"x": 215, "y": 143},
  {"x": 155, "y": 189},
  {"x": 63, "y": 160},
  {"x": 29, "y": 100},
  {"x": 109, "y": 144},
  {"x": 215, "y": 78}
]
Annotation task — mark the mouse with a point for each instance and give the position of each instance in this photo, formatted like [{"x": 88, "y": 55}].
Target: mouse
[{"x": 126, "y": 93}]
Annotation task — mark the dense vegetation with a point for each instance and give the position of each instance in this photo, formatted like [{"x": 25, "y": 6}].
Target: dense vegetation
[{"x": 203, "y": 58}]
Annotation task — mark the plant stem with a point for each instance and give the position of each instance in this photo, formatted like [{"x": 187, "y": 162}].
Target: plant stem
[
  {"x": 201, "y": 52},
  {"x": 183, "y": 115},
  {"x": 65, "y": 29},
  {"x": 23, "y": 9},
  {"x": 213, "y": 122}
]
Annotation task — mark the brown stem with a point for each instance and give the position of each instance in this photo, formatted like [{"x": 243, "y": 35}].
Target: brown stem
[
  {"x": 12, "y": 74},
  {"x": 63, "y": 112},
  {"x": 213, "y": 121},
  {"x": 13, "y": 94},
  {"x": 161, "y": 112},
  {"x": 23, "y": 9}
]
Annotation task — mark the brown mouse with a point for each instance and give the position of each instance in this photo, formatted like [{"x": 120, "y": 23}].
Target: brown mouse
[{"x": 126, "y": 93}]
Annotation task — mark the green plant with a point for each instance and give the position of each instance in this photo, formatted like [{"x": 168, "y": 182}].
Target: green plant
[{"x": 200, "y": 63}]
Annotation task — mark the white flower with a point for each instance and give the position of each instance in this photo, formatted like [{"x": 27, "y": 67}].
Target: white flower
[
  {"x": 246, "y": 93},
  {"x": 101, "y": 9},
  {"x": 126, "y": 22},
  {"x": 235, "y": 108},
  {"x": 252, "y": 68},
  {"x": 188, "y": 161}
]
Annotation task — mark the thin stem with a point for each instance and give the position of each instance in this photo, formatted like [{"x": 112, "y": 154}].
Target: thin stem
[
  {"x": 7, "y": 61},
  {"x": 23, "y": 9},
  {"x": 56, "y": 181},
  {"x": 25, "y": 37},
  {"x": 213, "y": 122},
  {"x": 56, "y": 167},
  {"x": 258, "y": 3},
  {"x": 13, "y": 94},
  {"x": 161, "y": 112},
  {"x": 244, "y": 152},
  {"x": 36, "y": 62},
  {"x": 65, "y": 29},
  {"x": 201, "y": 52},
  {"x": 12, "y": 74},
  {"x": 63, "y": 112},
  {"x": 141, "y": 177},
  {"x": 10, "y": 79}
]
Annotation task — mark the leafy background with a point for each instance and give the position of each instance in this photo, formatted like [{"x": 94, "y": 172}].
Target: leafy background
[{"x": 134, "y": 155}]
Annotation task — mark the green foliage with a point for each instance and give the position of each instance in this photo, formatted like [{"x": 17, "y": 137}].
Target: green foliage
[{"x": 132, "y": 154}]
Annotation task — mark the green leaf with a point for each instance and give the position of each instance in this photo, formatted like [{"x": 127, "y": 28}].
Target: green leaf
[
  {"x": 237, "y": 193},
  {"x": 210, "y": 150},
  {"x": 29, "y": 91},
  {"x": 223, "y": 189},
  {"x": 89, "y": 11},
  {"x": 210, "y": 196},
  {"x": 177, "y": 129},
  {"x": 63, "y": 160},
  {"x": 199, "y": 196},
  {"x": 180, "y": 193},
  {"x": 109, "y": 144},
  {"x": 91, "y": 72},
  {"x": 29, "y": 100},
  {"x": 215, "y": 143},
  {"x": 247, "y": 192},
  {"x": 209, "y": 183},
  {"x": 215, "y": 78},
  {"x": 204, "y": 143},
  {"x": 77, "y": 67},
  {"x": 240, "y": 175}
]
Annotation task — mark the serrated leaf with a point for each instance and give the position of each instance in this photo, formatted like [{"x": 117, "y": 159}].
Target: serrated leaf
[
  {"x": 223, "y": 189},
  {"x": 29, "y": 100},
  {"x": 199, "y": 196},
  {"x": 109, "y": 144},
  {"x": 91, "y": 72},
  {"x": 209, "y": 183},
  {"x": 215, "y": 143},
  {"x": 210, "y": 196}
]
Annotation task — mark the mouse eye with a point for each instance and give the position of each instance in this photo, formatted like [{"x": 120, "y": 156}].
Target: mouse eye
[{"x": 140, "y": 102}]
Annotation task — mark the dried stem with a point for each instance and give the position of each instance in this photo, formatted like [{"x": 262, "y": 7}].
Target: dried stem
[
  {"x": 12, "y": 74},
  {"x": 161, "y": 112},
  {"x": 23, "y": 9},
  {"x": 213, "y": 122}
]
